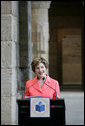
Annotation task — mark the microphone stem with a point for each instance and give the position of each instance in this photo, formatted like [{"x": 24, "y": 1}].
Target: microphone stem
[
  {"x": 50, "y": 86},
  {"x": 31, "y": 85}
]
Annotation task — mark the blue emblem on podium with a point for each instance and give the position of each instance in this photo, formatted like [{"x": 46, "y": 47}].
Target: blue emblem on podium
[{"x": 40, "y": 107}]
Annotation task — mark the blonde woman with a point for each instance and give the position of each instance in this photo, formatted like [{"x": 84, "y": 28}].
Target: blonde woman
[{"x": 42, "y": 85}]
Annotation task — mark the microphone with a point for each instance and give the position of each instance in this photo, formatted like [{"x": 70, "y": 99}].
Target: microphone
[
  {"x": 48, "y": 85},
  {"x": 42, "y": 78},
  {"x": 35, "y": 82},
  {"x": 44, "y": 83},
  {"x": 51, "y": 88}
]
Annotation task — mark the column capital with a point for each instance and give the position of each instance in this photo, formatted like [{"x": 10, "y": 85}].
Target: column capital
[{"x": 40, "y": 4}]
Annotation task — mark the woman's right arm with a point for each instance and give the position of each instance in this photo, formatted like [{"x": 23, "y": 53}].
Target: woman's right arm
[{"x": 26, "y": 93}]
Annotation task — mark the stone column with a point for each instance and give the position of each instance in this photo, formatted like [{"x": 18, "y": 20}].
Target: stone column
[
  {"x": 29, "y": 40},
  {"x": 9, "y": 61},
  {"x": 40, "y": 29}
]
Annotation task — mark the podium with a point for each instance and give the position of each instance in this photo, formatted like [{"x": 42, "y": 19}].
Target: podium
[{"x": 57, "y": 113}]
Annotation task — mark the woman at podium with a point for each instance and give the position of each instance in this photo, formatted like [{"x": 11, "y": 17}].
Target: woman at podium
[{"x": 42, "y": 85}]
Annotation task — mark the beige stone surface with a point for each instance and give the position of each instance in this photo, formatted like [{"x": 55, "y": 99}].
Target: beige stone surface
[
  {"x": 15, "y": 29},
  {"x": 9, "y": 109},
  {"x": 6, "y": 80},
  {"x": 9, "y": 47},
  {"x": 5, "y": 110},
  {"x": 9, "y": 28},
  {"x": 8, "y": 54},
  {"x": 6, "y": 28},
  {"x": 9, "y": 7},
  {"x": 6, "y": 7},
  {"x": 40, "y": 29},
  {"x": 41, "y": 4}
]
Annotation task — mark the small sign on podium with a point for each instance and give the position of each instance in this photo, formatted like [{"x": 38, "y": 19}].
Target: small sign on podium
[{"x": 39, "y": 107}]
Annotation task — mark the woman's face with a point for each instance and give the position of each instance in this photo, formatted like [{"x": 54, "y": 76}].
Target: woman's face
[{"x": 40, "y": 70}]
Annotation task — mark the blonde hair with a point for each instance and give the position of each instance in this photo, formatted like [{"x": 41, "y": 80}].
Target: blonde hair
[{"x": 38, "y": 60}]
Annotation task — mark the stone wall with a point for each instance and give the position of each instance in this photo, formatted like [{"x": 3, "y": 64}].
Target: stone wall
[
  {"x": 65, "y": 19},
  {"x": 40, "y": 29},
  {"x": 23, "y": 45},
  {"x": 9, "y": 61},
  {"x": 40, "y": 36}
]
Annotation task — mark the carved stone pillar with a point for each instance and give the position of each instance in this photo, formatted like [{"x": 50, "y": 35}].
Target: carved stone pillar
[
  {"x": 9, "y": 61},
  {"x": 40, "y": 28}
]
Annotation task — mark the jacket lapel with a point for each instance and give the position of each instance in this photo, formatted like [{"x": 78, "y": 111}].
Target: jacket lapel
[{"x": 36, "y": 86}]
